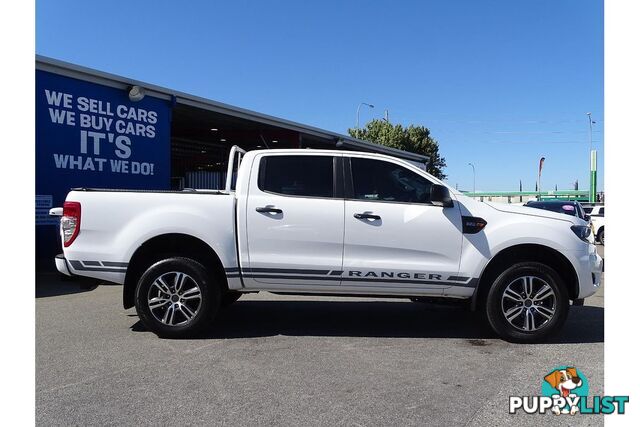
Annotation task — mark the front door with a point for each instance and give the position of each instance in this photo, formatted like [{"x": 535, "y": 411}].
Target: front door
[
  {"x": 394, "y": 237},
  {"x": 295, "y": 222}
]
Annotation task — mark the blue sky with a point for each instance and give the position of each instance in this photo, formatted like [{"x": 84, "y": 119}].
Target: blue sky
[{"x": 499, "y": 83}]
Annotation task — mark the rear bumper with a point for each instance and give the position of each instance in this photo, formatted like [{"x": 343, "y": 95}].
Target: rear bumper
[{"x": 61, "y": 265}]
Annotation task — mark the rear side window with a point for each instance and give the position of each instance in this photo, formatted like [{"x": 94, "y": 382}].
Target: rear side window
[
  {"x": 306, "y": 176},
  {"x": 385, "y": 181}
]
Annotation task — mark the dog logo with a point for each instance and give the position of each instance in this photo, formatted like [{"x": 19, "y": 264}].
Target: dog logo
[
  {"x": 567, "y": 383},
  {"x": 565, "y": 390}
]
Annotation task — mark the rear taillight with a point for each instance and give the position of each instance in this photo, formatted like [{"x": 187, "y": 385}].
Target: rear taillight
[{"x": 70, "y": 222}]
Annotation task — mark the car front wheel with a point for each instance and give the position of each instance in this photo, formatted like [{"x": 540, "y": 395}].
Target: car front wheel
[
  {"x": 176, "y": 297},
  {"x": 527, "y": 303}
]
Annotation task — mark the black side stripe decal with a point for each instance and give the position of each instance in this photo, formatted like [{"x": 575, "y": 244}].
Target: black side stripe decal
[
  {"x": 89, "y": 266},
  {"x": 336, "y": 275},
  {"x": 285, "y": 271},
  {"x": 471, "y": 284},
  {"x": 281, "y": 271},
  {"x": 373, "y": 284},
  {"x": 114, "y": 264},
  {"x": 271, "y": 276}
]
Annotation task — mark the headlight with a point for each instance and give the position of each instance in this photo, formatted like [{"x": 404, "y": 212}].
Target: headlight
[{"x": 582, "y": 231}]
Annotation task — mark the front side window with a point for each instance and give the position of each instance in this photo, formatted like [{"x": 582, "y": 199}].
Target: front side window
[
  {"x": 384, "y": 181},
  {"x": 307, "y": 176}
]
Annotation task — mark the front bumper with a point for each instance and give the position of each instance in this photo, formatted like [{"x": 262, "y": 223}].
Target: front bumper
[
  {"x": 590, "y": 267},
  {"x": 61, "y": 265}
]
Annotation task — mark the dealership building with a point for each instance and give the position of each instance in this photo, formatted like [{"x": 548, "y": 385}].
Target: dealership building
[{"x": 95, "y": 129}]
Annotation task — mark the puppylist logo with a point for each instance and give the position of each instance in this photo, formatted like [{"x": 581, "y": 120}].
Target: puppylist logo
[{"x": 565, "y": 390}]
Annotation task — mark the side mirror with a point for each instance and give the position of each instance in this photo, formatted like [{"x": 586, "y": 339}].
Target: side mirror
[
  {"x": 587, "y": 218},
  {"x": 440, "y": 196}
]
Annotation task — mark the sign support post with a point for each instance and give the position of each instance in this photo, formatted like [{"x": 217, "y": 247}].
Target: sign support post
[{"x": 593, "y": 176}]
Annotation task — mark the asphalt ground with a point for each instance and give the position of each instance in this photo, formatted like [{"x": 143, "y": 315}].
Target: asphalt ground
[{"x": 272, "y": 359}]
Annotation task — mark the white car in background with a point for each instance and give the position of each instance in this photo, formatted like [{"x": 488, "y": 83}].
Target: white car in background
[{"x": 597, "y": 221}]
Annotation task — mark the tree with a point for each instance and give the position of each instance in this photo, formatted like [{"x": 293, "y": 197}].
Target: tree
[{"x": 414, "y": 139}]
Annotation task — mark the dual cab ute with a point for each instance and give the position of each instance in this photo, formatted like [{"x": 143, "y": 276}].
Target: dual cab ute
[{"x": 327, "y": 223}]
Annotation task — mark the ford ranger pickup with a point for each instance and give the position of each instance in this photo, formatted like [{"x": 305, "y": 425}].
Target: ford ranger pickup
[{"x": 327, "y": 223}]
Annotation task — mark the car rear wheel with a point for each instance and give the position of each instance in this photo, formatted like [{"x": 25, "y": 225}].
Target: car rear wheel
[
  {"x": 600, "y": 236},
  {"x": 527, "y": 303},
  {"x": 176, "y": 297}
]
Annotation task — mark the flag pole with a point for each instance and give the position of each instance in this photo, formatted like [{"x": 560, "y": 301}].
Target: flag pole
[{"x": 540, "y": 178}]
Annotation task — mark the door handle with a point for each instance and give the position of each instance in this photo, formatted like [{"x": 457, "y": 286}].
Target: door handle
[
  {"x": 366, "y": 216},
  {"x": 269, "y": 209}
]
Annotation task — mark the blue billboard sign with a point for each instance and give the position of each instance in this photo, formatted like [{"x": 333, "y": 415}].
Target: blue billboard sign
[
  {"x": 90, "y": 135},
  {"x": 93, "y": 135}
]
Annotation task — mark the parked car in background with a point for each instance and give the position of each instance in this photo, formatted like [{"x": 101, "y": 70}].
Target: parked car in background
[
  {"x": 566, "y": 207},
  {"x": 597, "y": 221},
  {"x": 560, "y": 206}
]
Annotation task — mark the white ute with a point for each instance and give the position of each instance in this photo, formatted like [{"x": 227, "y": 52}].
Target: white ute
[
  {"x": 597, "y": 221},
  {"x": 332, "y": 223}
]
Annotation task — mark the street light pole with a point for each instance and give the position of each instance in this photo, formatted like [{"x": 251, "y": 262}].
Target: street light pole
[
  {"x": 474, "y": 177},
  {"x": 358, "y": 113}
]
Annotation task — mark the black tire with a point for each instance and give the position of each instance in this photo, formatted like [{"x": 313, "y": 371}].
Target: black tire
[
  {"x": 497, "y": 301},
  {"x": 203, "y": 314},
  {"x": 229, "y": 298},
  {"x": 600, "y": 236}
]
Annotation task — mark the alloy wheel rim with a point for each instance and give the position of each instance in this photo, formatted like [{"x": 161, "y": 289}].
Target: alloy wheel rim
[
  {"x": 174, "y": 298},
  {"x": 528, "y": 303}
]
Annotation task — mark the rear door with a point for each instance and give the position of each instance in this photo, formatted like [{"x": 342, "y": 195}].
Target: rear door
[
  {"x": 394, "y": 237},
  {"x": 295, "y": 221}
]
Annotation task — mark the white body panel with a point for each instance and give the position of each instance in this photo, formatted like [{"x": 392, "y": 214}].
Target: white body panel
[
  {"x": 509, "y": 225},
  {"x": 115, "y": 224},
  {"x": 420, "y": 240},
  {"x": 412, "y": 244},
  {"x": 307, "y": 237}
]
